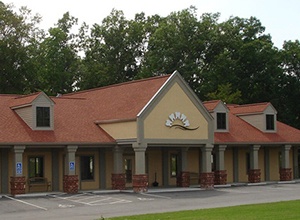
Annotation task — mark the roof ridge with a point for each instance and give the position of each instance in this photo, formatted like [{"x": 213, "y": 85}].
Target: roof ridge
[
  {"x": 215, "y": 100},
  {"x": 116, "y": 85},
  {"x": 28, "y": 95},
  {"x": 251, "y": 104}
]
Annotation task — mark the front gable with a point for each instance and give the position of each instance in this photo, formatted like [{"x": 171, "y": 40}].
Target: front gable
[{"x": 175, "y": 113}]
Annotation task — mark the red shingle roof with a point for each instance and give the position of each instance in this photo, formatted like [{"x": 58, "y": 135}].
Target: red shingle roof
[
  {"x": 249, "y": 108},
  {"x": 241, "y": 131},
  {"x": 75, "y": 114},
  {"x": 211, "y": 105}
]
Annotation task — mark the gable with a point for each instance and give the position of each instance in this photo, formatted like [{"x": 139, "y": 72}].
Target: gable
[{"x": 176, "y": 113}]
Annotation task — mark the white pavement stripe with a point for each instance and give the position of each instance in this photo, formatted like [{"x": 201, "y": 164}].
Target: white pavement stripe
[
  {"x": 120, "y": 201},
  {"x": 27, "y": 203},
  {"x": 153, "y": 195}
]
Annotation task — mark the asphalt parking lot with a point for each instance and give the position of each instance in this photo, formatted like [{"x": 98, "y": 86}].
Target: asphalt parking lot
[{"x": 94, "y": 205}]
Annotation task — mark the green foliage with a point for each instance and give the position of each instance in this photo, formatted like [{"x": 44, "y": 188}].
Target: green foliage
[
  {"x": 224, "y": 93},
  {"x": 233, "y": 60},
  {"x": 18, "y": 36}
]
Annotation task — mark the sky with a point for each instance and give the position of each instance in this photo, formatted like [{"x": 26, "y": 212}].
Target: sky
[{"x": 281, "y": 18}]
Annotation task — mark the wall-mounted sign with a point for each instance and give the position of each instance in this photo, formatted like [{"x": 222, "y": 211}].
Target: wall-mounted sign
[
  {"x": 179, "y": 120},
  {"x": 19, "y": 168},
  {"x": 72, "y": 166}
]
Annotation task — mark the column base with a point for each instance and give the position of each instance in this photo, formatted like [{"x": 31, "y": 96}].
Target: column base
[
  {"x": 70, "y": 184},
  {"x": 220, "y": 177},
  {"x": 140, "y": 183},
  {"x": 207, "y": 180},
  {"x": 17, "y": 185},
  {"x": 118, "y": 181},
  {"x": 285, "y": 174},
  {"x": 254, "y": 176},
  {"x": 183, "y": 179}
]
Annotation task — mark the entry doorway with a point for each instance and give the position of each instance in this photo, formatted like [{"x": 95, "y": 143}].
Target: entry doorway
[{"x": 129, "y": 169}]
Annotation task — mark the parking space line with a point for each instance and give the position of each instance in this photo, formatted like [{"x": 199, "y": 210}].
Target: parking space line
[
  {"x": 27, "y": 203},
  {"x": 153, "y": 195}
]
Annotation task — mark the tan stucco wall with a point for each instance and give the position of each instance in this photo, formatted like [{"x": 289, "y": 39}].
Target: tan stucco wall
[
  {"x": 228, "y": 164},
  {"x": 109, "y": 168},
  {"x": 154, "y": 166},
  {"x": 175, "y": 100},
  {"x": 243, "y": 177},
  {"x": 261, "y": 163},
  {"x": 120, "y": 130},
  {"x": 193, "y": 160}
]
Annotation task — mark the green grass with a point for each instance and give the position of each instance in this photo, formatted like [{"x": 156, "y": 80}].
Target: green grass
[{"x": 279, "y": 210}]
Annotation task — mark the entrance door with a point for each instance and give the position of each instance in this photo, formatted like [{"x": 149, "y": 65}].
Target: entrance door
[{"x": 129, "y": 169}]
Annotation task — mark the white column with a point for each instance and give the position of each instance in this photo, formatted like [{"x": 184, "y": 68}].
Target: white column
[
  {"x": 70, "y": 165},
  {"x": 254, "y": 157},
  {"x": 140, "y": 159},
  {"x": 18, "y": 160},
  {"x": 118, "y": 160},
  {"x": 285, "y": 162},
  {"x": 220, "y": 157},
  {"x": 206, "y": 158}
]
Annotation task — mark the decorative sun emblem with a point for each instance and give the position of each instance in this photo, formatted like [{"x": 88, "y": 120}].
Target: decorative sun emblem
[{"x": 176, "y": 117}]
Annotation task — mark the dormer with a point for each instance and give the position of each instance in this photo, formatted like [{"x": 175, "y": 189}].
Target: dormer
[
  {"x": 263, "y": 116},
  {"x": 36, "y": 110},
  {"x": 219, "y": 111}
]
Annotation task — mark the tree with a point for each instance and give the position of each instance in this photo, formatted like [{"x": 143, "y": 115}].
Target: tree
[
  {"x": 289, "y": 91},
  {"x": 58, "y": 59},
  {"x": 113, "y": 51},
  {"x": 225, "y": 93},
  {"x": 18, "y": 39}
]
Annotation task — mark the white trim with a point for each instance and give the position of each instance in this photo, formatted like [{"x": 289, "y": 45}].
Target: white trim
[{"x": 155, "y": 95}]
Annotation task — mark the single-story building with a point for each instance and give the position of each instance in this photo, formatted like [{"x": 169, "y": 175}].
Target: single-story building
[{"x": 140, "y": 134}]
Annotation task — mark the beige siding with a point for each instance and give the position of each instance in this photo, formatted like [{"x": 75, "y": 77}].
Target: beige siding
[
  {"x": 26, "y": 114},
  {"x": 257, "y": 121}
]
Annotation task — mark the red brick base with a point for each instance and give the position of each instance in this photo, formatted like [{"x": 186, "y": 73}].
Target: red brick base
[
  {"x": 17, "y": 185},
  {"x": 285, "y": 174},
  {"x": 140, "y": 183},
  {"x": 118, "y": 181},
  {"x": 207, "y": 180},
  {"x": 220, "y": 177},
  {"x": 254, "y": 176},
  {"x": 70, "y": 184},
  {"x": 183, "y": 179}
]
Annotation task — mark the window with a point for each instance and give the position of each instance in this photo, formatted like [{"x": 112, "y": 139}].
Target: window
[
  {"x": 221, "y": 120},
  {"x": 270, "y": 122},
  {"x": 36, "y": 167},
  {"x": 43, "y": 116},
  {"x": 87, "y": 167},
  {"x": 174, "y": 159}
]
